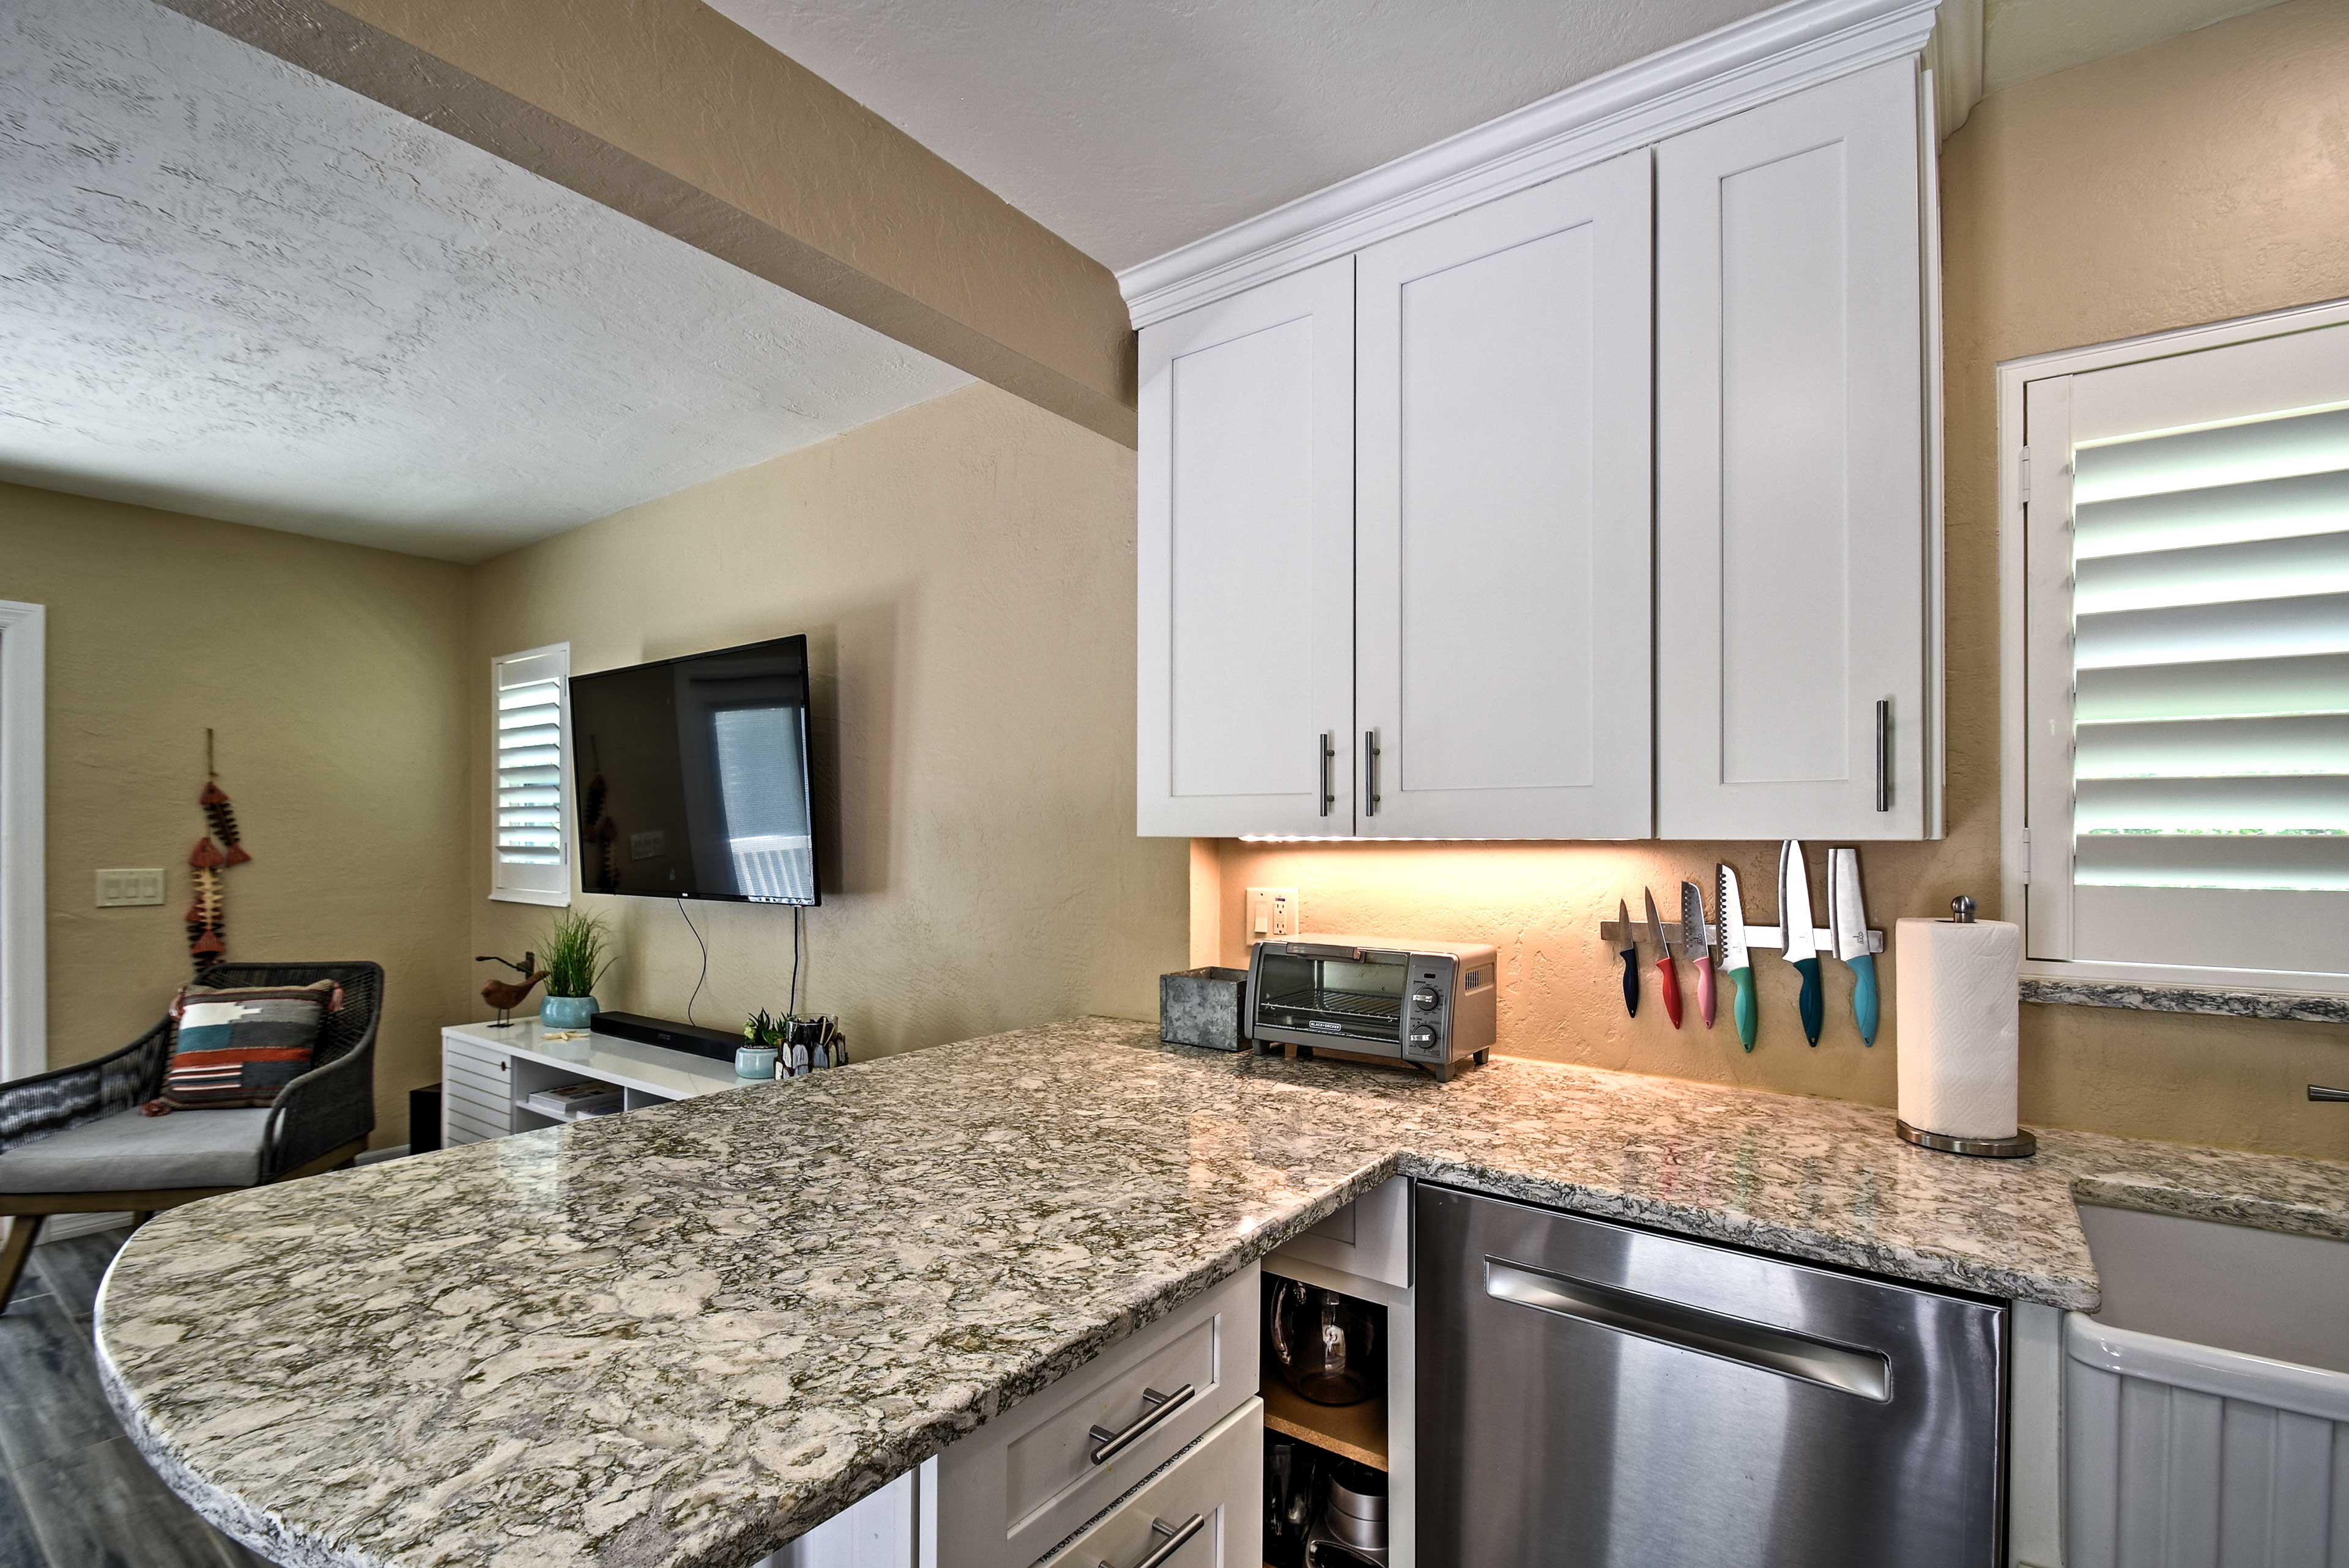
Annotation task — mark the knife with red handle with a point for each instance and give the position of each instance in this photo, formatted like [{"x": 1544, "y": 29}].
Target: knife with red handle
[{"x": 1665, "y": 972}]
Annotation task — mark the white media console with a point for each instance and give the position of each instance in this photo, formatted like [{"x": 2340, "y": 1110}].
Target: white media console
[{"x": 487, "y": 1073}]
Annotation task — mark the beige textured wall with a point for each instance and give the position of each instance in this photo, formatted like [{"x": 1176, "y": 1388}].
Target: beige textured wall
[
  {"x": 2199, "y": 179},
  {"x": 331, "y": 673},
  {"x": 963, "y": 571}
]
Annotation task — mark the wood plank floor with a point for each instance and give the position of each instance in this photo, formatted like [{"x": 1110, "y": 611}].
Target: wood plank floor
[{"x": 74, "y": 1493}]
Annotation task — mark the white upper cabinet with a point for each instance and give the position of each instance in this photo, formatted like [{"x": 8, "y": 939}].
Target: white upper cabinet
[
  {"x": 1501, "y": 647},
  {"x": 1246, "y": 564},
  {"x": 1796, "y": 539},
  {"x": 1593, "y": 492}
]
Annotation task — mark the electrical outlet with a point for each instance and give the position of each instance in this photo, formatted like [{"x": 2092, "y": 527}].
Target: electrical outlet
[
  {"x": 128, "y": 887},
  {"x": 1272, "y": 913}
]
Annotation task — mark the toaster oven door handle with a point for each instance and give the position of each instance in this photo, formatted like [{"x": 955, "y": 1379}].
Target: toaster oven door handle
[{"x": 1319, "y": 950}]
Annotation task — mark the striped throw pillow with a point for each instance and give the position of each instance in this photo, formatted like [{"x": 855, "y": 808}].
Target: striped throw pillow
[{"x": 238, "y": 1047}]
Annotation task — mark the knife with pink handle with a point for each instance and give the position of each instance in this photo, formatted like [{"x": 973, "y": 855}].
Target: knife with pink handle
[{"x": 1697, "y": 949}]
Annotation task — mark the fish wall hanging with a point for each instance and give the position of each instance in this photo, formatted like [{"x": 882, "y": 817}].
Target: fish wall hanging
[{"x": 207, "y": 865}]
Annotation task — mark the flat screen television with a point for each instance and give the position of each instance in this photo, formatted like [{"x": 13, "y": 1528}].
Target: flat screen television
[{"x": 692, "y": 777}]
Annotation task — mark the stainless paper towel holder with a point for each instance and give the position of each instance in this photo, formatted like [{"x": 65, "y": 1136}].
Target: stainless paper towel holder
[{"x": 2022, "y": 1146}]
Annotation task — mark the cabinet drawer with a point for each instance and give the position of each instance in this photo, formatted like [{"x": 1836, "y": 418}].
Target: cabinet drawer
[
  {"x": 458, "y": 1074},
  {"x": 481, "y": 1058},
  {"x": 1011, "y": 1490},
  {"x": 462, "y": 1125},
  {"x": 1211, "y": 1500},
  {"x": 468, "y": 1101},
  {"x": 1369, "y": 1238}
]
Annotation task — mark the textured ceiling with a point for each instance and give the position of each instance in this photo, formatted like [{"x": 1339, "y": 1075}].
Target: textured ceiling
[
  {"x": 229, "y": 288},
  {"x": 1134, "y": 128}
]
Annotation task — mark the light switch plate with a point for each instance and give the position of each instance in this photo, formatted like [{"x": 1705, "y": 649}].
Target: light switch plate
[
  {"x": 1273, "y": 912},
  {"x": 128, "y": 887}
]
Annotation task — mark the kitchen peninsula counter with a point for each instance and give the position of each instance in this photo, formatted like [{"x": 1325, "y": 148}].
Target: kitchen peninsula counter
[{"x": 687, "y": 1334}]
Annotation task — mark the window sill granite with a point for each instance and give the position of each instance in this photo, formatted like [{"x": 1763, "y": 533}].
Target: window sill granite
[{"x": 2229, "y": 1003}]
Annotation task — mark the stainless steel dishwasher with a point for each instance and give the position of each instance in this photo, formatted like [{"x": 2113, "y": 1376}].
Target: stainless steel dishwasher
[{"x": 1595, "y": 1396}]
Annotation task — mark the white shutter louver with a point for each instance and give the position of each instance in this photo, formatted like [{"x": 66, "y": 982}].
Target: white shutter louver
[
  {"x": 2210, "y": 662},
  {"x": 529, "y": 836}
]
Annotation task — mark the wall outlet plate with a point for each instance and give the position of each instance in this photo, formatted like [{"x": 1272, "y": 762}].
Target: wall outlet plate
[
  {"x": 1273, "y": 912},
  {"x": 129, "y": 887}
]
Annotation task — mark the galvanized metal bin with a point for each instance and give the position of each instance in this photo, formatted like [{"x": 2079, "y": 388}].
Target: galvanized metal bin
[{"x": 1204, "y": 1007}]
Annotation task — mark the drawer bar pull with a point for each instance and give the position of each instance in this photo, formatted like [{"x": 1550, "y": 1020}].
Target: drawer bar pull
[
  {"x": 1158, "y": 1406},
  {"x": 1175, "y": 1535}
]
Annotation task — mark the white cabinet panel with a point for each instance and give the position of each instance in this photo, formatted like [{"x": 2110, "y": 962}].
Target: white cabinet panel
[
  {"x": 1246, "y": 555},
  {"x": 1793, "y": 577},
  {"x": 1502, "y": 648},
  {"x": 880, "y": 1532}
]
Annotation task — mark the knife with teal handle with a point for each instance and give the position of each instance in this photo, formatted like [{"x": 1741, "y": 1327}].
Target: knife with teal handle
[
  {"x": 1730, "y": 915},
  {"x": 1813, "y": 1001},
  {"x": 1863, "y": 996},
  {"x": 1800, "y": 942},
  {"x": 1847, "y": 924}
]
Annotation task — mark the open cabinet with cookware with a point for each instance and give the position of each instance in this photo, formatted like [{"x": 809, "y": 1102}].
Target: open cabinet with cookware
[{"x": 1336, "y": 1383}]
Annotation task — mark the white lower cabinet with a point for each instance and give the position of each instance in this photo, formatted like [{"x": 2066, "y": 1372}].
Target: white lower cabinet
[
  {"x": 1018, "y": 1486},
  {"x": 1204, "y": 1510}
]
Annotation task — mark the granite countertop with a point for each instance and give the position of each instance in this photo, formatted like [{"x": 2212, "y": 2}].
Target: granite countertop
[{"x": 685, "y": 1335}]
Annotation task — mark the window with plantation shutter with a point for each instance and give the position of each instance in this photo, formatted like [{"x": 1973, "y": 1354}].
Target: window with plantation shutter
[
  {"x": 2187, "y": 661},
  {"x": 530, "y": 837}
]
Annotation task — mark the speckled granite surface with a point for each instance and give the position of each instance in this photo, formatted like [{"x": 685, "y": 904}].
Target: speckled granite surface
[
  {"x": 2228, "y": 1004},
  {"x": 683, "y": 1337}
]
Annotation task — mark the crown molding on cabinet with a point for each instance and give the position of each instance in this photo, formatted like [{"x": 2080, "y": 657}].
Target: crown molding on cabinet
[
  {"x": 1955, "y": 55},
  {"x": 1765, "y": 57}
]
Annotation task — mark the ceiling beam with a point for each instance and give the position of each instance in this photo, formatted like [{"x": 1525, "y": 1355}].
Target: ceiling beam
[{"x": 665, "y": 111}]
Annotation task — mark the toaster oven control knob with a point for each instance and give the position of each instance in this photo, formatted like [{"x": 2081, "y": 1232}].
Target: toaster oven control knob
[
  {"x": 1423, "y": 1039},
  {"x": 1425, "y": 999}
]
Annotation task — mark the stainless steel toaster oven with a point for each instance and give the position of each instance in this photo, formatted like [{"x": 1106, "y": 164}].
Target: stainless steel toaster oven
[{"x": 1426, "y": 1002}]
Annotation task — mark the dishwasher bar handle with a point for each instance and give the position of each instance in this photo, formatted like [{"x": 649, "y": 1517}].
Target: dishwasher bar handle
[{"x": 1777, "y": 1350}]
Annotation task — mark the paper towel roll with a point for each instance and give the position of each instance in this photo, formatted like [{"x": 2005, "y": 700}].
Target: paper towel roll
[{"x": 1956, "y": 1010}]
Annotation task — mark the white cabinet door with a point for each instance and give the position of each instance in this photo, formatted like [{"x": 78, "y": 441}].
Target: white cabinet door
[
  {"x": 1793, "y": 576},
  {"x": 1246, "y": 562},
  {"x": 1502, "y": 648}
]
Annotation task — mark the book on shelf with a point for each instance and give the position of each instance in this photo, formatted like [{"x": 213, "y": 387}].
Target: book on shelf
[{"x": 581, "y": 1099}]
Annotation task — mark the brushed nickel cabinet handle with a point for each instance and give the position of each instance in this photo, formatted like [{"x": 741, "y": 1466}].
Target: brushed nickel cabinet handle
[
  {"x": 1157, "y": 1407},
  {"x": 1369, "y": 773},
  {"x": 1324, "y": 753},
  {"x": 1884, "y": 754},
  {"x": 1172, "y": 1538}
]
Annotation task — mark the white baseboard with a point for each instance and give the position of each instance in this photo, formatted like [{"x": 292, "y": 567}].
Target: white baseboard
[{"x": 65, "y": 1227}]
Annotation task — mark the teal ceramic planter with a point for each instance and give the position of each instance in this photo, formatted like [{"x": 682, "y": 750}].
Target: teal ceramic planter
[{"x": 567, "y": 1012}]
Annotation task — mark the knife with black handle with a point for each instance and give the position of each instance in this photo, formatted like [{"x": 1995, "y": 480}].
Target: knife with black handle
[{"x": 1631, "y": 955}]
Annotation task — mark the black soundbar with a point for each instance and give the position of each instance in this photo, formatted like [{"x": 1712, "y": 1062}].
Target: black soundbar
[{"x": 716, "y": 1044}]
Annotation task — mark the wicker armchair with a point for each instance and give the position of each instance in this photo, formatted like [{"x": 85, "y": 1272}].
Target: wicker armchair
[{"x": 317, "y": 1122}]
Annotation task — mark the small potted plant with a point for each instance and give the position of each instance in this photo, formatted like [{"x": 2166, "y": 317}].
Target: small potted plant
[
  {"x": 578, "y": 952},
  {"x": 762, "y": 1039}
]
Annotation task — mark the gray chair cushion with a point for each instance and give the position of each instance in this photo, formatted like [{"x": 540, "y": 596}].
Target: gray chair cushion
[{"x": 128, "y": 1152}]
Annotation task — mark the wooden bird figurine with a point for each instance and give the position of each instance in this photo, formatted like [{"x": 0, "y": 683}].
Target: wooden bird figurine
[{"x": 505, "y": 995}]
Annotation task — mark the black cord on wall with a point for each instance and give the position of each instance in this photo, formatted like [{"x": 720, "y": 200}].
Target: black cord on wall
[{"x": 705, "y": 960}]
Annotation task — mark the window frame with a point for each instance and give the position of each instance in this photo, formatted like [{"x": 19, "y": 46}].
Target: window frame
[
  {"x": 566, "y": 831},
  {"x": 2014, "y": 636},
  {"x": 24, "y": 909}
]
